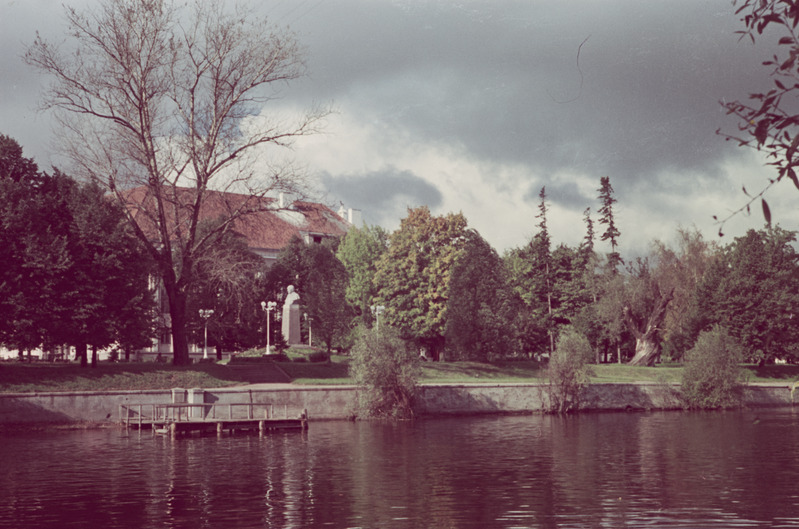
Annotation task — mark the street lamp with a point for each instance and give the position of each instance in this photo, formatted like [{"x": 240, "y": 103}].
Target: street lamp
[
  {"x": 205, "y": 314},
  {"x": 268, "y": 308},
  {"x": 377, "y": 310}
]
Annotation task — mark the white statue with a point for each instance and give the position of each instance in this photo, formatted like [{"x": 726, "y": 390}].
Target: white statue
[
  {"x": 292, "y": 297},
  {"x": 291, "y": 317}
]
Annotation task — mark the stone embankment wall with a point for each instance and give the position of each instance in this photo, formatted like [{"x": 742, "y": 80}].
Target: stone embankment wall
[{"x": 336, "y": 402}]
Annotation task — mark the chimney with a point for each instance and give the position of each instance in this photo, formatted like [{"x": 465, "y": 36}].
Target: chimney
[
  {"x": 285, "y": 200},
  {"x": 354, "y": 217}
]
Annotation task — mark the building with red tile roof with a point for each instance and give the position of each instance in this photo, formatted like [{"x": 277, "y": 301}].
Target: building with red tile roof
[{"x": 267, "y": 224}]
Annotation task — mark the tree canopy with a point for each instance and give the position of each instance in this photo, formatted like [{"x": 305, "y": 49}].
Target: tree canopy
[
  {"x": 360, "y": 250},
  {"x": 752, "y": 289},
  {"x": 482, "y": 311},
  {"x": 74, "y": 274},
  {"x": 413, "y": 276}
]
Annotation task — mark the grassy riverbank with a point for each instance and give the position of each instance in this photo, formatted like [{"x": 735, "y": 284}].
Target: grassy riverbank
[{"x": 40, "y": 377}]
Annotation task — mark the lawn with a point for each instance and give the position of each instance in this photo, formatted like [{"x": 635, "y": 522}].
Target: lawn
[{"x": 41, "y": 376}]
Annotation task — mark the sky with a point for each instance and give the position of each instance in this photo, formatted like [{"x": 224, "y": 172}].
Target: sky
[{"x": 473, "y": 106}]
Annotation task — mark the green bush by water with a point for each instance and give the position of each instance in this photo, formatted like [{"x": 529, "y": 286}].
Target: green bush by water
[
  {"x": 569, "y": 371},
  {"x": 387, "y": 371},
  {"x": 712, "y": 377}
]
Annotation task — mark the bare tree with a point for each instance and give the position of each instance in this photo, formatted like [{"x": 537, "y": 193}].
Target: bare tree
[{"x": 161, "y": 103}]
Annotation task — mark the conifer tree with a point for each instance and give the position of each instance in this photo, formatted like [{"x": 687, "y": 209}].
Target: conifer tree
[
  {"x": 541, "y": 254},
  {"x": 611, "y": 233}
]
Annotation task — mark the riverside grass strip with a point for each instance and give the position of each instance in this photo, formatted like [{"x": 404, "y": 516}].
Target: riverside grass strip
[{"x": 18, "y": 377}]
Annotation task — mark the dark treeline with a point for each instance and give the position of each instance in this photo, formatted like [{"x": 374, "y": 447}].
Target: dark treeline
[
  {"x": 74, "y": 276},
  {"x": 446, "y": 289}
]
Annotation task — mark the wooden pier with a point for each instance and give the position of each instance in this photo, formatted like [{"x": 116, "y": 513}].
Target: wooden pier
[{"x": 185, "y": 419}]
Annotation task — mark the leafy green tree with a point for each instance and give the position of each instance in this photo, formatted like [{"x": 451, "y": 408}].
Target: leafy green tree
[
  {"x": 679, "y": 269},
  {"x": 482, "y": 308},
  {"x": 752, "y": 289},
  {"x": 20, "y": 323},
  {"x": 413, "y": 276},
  {"x": 75, "y": 274},
  {"x": 712, "y": 377},
  {"x": 359, "y": 250},
  {"x": 106, "y": 290},
  {"x": 533, "y": 335},
  {"x": 610, "y": 313},
  {"x": 325, "y": 296},
  {"x": 387, "y": 371}
]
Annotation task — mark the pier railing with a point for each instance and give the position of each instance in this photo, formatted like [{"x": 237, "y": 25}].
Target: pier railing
[{"x": 130, "y": 414}]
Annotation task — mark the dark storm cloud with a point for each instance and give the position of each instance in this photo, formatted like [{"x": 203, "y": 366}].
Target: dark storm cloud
[
  {"x": 383, "y": 196},
  {"x": 501, "y": 79},
  {"x": 493, "y": 85}
]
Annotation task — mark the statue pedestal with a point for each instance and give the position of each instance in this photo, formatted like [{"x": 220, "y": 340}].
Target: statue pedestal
[{"x": 291, "y": 324}]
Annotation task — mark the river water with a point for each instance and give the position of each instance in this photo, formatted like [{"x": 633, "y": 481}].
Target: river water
[{"x": 665, "y": 469}]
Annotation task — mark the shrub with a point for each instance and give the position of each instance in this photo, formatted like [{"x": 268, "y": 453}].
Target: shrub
[
  {"x": 712, "y": 377},
  {"x": 568, "y": 371},
  {"x": 387, "y": 370},
  {"x": 318, "y": 356}
]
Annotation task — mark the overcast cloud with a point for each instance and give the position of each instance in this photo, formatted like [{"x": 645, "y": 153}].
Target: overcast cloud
[{"x": 473, "y": 106}]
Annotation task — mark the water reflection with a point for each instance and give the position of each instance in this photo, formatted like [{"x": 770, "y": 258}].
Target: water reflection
[{"x": 599, "y": 470}]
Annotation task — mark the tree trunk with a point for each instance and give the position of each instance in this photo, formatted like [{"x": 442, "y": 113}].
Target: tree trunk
[
  {"x": 647, "y": 340},
  {"x": 80, "y": 352},
  {"x": 177, "y": 313},
  {"x": 647, "y": 349},
  {"x": 94, "y": 356}
]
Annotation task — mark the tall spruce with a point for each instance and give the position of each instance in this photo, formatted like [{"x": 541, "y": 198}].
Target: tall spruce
[
  {"x": 587, "y": 245},
  {"x": 611, "y": 232},
  {"x": 541, "y": 254}
]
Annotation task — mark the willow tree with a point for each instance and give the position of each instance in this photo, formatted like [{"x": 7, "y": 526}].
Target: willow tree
[{"x": 168, "y": 98}]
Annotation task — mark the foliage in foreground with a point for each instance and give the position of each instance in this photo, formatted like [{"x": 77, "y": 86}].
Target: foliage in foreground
[
  {"x": 712, "y": 377},
  {"x": 569, "y": 371},
  {"x": 387, "y": 371}
]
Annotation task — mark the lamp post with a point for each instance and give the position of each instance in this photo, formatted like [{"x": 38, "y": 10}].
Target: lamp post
[
  {"x": 268, "y": 308},
  {"x": 377, "y": 310},
  {"x": 205, "y": 314}
]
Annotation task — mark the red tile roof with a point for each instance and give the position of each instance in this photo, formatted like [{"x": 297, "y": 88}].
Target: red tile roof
[{"x": 262, "y": 224}]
